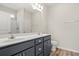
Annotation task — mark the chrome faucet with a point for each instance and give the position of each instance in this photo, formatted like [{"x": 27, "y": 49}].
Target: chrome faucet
[{"x": 11, "y": 33}]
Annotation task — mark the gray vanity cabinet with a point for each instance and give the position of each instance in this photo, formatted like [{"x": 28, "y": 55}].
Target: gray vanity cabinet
[
  {"x": 35, "y": 47},
  {"x": 16, "y": 48},
  {"x": 47, "y": 46},
  {"x": 43, "y": 48}
]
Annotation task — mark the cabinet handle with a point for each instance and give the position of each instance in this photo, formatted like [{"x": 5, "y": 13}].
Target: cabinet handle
[
  {"x": 40, "y": 49},
  {"x": 39, "y": 40}
]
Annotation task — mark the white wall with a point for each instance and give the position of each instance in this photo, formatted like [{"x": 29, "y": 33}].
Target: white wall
[
  {"x": 63, "y": 22},
  {"x": 39, "y": 21},
  {"x": 24, "y": 20}
]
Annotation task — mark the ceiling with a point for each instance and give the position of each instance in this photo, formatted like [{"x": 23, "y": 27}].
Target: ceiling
[
  {"x": 27, "y": 6},
  {"x": 50, "y": 4}
]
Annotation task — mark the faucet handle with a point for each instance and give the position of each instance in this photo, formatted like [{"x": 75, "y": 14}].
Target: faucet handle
[{"x": 12, "y": 36}]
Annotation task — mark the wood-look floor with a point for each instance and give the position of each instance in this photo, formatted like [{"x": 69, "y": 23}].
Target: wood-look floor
[{"x": 61, "y": 52}]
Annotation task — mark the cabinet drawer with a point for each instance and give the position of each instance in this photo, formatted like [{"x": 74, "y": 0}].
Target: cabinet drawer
[
  {"x": 29, "y": 52},
  {"x": 39, "y": 49},
  {"x": 47, "y": 38},
  {"x": 16, "y": 48},
  {"x": 39, "y": 40}
]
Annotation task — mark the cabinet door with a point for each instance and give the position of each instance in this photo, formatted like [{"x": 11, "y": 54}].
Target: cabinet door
[
  {"x": 29, "y": 52},
  {"x": 47, "y": 47},
  {"x": 39, "y": 49}
]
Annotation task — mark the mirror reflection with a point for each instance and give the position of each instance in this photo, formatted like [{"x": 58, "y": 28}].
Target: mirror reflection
[
  {"x": 21, "y": 18},
  {"x": 8, "y": 23}
]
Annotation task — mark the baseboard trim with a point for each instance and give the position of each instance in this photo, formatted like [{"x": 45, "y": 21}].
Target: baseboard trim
[{"x": 68, "y": 49}]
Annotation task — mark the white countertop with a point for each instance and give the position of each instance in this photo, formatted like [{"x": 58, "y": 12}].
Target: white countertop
[{"x": 18, "y": 39}]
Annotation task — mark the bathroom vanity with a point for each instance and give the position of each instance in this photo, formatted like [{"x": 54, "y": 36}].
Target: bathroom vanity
[{"x": 39, "y": 45}]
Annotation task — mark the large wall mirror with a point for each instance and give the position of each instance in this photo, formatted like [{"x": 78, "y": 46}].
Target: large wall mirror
[
  {"x": 17, "y": 17},
  {"x": 8, "y": 23}
]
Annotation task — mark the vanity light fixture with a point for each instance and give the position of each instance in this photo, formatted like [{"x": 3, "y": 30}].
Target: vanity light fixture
[{"x": 37, "y": 6}]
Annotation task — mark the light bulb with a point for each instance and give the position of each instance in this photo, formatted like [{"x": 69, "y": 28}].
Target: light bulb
[{"x": 12, "y": 16}]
